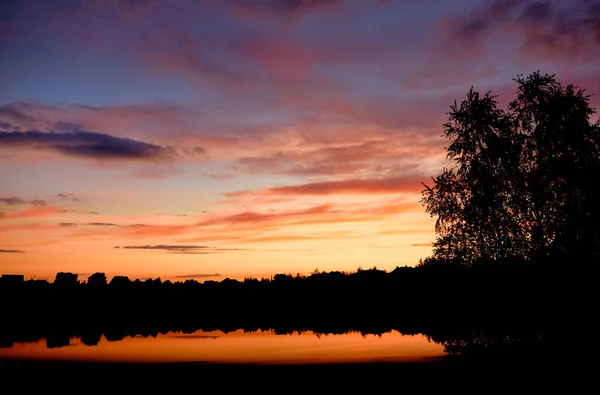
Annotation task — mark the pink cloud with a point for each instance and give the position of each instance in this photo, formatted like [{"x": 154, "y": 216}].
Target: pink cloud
[
  {"x": 355, "y": 186},
  {"x": 391, "y": 155},
  {"x": 306, "y": 146}
]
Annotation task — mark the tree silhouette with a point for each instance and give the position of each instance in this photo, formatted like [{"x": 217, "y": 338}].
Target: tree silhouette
[
  {"x": 97, "y": 279},
  {"x": 66, "y": 279},
  {"x": 522, "y": 180}
]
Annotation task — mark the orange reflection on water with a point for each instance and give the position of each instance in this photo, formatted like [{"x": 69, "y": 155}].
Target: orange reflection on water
[{"x": 239, "y": 347}]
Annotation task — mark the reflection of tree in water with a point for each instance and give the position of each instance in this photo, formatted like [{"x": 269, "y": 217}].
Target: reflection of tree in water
[
  {"x": 465, "y": 346},
  {"x": 481, "y": 345}
]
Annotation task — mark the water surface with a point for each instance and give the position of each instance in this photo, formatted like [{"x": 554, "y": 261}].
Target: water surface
[{"x": 262, "y": 347}]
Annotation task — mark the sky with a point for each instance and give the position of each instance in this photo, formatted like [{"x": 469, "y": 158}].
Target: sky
[{"x": 212, "y": 139}]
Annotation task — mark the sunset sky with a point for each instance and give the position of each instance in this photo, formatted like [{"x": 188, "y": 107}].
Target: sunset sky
[{"x": 244, "y": 138}]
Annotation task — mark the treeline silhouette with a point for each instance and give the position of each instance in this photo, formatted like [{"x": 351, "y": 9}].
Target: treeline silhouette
[{"x": 485, "y": 309}]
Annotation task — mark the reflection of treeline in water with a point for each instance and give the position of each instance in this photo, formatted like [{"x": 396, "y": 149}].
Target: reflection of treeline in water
[{"x": 464, "y": 308}]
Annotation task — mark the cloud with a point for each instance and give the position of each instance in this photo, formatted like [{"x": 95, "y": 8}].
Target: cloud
[
  {"x": 71, "y": 197},
  {"x": 245, "y": 225},
  {"x": 34, "y": 212},
  {"x": 562, "y": 31},
  {"x": 14, "y": 201},
  {"x": 558, "y": 30},
  {"x": 166, "y": 247},
  {"x": 278, "y": 238},
  {"x": 311, "y": 154},
  {"x": 11, "y": 251},
  {"x": 109, "y": 224},
  {"x": 199, "y": 275},
  {"x": 356, "y": 186},
  {"x": 80, "y": 143},
  {"x": 181, "y": 249},
  {"x": 255, "y": 218},
  {"x": 14, "y": 115},
  {"x": 285, "y": 6}
]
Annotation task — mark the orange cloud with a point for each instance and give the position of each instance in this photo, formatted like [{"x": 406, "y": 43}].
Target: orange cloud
[
  {"x": 294, "y": 237},
  {"x": 239, "y": 226},
  {"x": 34, "y": 212}
]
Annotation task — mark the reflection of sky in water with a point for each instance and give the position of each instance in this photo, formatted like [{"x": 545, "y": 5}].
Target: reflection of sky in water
[{"x": 240, "y": 347}]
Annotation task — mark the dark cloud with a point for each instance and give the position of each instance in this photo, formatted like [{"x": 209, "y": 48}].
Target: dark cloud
[
  {"x": 67, "y": 224},
  {"x": 285, "y": 6},
  {"x": 69, "y": 197},
  {"x": 14, "y": 201},
  {"x": 199, "y": 275},
  {"x": 11, "y": 251},
  {"x": 10, "y": 113},
  {"x": 72, "y": 141},
  {"x": 549, "y": 28},
  {"x": 538, "y": 11},
  {"x": 135, "y": 6},
  {"x": 566, "y": 27},
  {"x": 101, "y": 224},
  {"x": 483, "y": 19}
]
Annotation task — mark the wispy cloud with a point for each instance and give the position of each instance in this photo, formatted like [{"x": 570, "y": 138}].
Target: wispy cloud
[
  {"x": 11, "y": 251},
  {"x": 392, "y": 185},
  {"x": 14, "y": 201},
  {"x": 34, "y": 212},
  {"x": 71, "y": 197},
  {"x": 180, "y": 249},
  {"x": 558, "y": 30},
  {"x": 285, "y": 6},
  {"x": 166, "y": 247},
  {"x": 270, "y": 225}
]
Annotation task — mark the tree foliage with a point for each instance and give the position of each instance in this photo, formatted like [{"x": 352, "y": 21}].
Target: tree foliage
[{"x": 522, "y": 181}]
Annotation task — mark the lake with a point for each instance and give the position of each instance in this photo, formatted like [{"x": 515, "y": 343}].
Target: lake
[{"x": 260, "y": 347}]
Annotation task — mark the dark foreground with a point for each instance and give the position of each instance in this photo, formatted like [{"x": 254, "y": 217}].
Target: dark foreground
[{"x": 372, "y": 378}]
